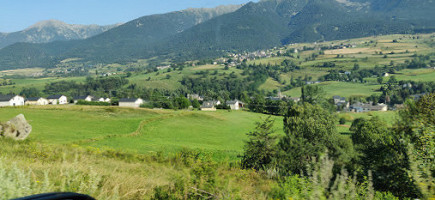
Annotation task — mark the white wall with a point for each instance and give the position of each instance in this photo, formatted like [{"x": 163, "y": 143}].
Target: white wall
[
  {"x": 63, "y": 100},
  {"x": 129, "y": 104},
  {"x": 17, "y": 101}
]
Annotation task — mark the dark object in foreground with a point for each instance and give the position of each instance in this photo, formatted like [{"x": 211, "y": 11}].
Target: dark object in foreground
[{"x": 57, "y": 196}]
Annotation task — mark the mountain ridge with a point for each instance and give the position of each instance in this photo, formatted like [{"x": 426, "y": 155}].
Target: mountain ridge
[{"x": 52, "y": 30}]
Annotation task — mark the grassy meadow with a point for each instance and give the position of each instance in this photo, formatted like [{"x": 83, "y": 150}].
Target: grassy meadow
[{"x": 221, "y": 134}]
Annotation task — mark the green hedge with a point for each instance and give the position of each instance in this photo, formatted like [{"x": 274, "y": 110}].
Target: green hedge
[{"x": 92, "y": 103}]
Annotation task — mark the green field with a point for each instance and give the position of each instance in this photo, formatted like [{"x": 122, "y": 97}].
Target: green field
[
  {"x": 143, "y": 131},
  {"x": 38, "y": 83},
  {"x": 344, "y": 89},
  {"x": 220, "y": 133}
]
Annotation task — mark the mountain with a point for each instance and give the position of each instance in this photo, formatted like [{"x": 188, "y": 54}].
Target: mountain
[
  {"x": 197, "y": 33},
  {"x": 272, "y": 23},
  {"x": 52, "y": 30},
  {"x": 123, "y": 42},
  {"x": 120, "y": 43}
]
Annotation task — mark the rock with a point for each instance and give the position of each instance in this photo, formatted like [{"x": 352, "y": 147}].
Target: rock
[{"x": 17, "y": 128}]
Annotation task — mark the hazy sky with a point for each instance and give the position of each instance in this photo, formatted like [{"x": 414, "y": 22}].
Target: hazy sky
[{"x": 17, "y": 15}]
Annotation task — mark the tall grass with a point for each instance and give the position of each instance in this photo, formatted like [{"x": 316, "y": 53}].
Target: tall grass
[
  {"x": 322, "y": 184},
  {"x": 28, "y": 167}
]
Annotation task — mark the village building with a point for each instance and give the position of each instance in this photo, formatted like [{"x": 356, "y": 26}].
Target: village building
[
  {"x": 83, "y": 98},
  {"x": 340, "y": 102},
  {"x": 208, "y": 106},
  {"x": 367, "y": 107},
  {"x": 295, "y": 99},
  {"x": 195, "y": 96},
  {"x": 11, "y": 100},
  {"x": 163, "y": 67},
  {"x": 132, "y": 103},
  {"x": 101, "y": 99},
  {"x": 36, "y": 101},
  {"x": 235, "y": 105},
  {"x": 57, "y": 99}
]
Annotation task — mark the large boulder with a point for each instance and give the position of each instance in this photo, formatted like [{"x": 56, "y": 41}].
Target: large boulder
[{"x": 17, "y": 128}]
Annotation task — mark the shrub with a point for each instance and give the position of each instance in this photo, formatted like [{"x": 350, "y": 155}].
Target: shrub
[{"x": 92, "y": 103}]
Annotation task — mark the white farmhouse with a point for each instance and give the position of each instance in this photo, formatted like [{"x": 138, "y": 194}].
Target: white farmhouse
[
  {"x": 235, "y": 105},
  {"x": 101, "y": 99},
  {"x": 36, "y": 101},
  {"x": 84, "y": 98},
  {"x": 11, "y": 100},
  {"x": 132, "y": 103},
  {"x": 57, "y": 99}
]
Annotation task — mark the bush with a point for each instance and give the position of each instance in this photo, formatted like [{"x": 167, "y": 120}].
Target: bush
[
  {"x": 92, "y": 103},
  {"x": 342, "y": 120}
]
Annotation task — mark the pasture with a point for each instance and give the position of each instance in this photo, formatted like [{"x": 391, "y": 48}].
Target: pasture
[{"x": 143, "y": 131}]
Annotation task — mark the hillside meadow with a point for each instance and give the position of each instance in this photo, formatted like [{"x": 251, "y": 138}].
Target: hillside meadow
[
  {"x": 221, "y": 134},
  {"x": 123, "y": 153}
]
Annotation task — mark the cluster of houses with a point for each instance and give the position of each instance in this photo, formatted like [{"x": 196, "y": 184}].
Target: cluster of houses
[
  {"x": 211, "y": 105},
  {"x": 17, "y": 100},
  {"x": 341, "y": 102}
]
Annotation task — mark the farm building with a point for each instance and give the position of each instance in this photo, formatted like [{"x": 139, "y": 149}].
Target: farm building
[
  {"x": 133, "y": 103},
  {"x": 11, "y": 100},
  {"x": 235, "y": 105},
  {"x": 340, "y": 101},
  {"x": 208, "y": 106},
  {"x": 57, "y": 99},
  {"x": 101, "y": 99},
  {"x": 36, "y": 101},
  {"x": 84, "y": 98},
  {"x": 295, "y": 99},
  {"x": 367, "y": 107}
]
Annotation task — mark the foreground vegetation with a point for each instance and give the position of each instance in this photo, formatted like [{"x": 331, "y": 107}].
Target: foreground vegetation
[{"x": 309, "y": 160}]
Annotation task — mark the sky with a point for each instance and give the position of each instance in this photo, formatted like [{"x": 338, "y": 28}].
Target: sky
[{"x": 16, "y": 15}]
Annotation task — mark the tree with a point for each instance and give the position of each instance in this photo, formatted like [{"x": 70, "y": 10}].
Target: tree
[
  {"x": 392, "y": 80},
  {"x": 195, "y": 103},
  {"x": 260, "y": 149},
  {"x": 355, "y": 67},
  {"x": 30, "y": 92},
  {"x": 380, "y": 79},
  {"x": 342, "y": 120},
  {"x": 416, "y": 126},
  {"x": 257, "y": 104},
  {"x": 383, "y": 153},
  {"x": 182, "y": 102},
  {"x": 312, "y": 94},
  {"x": 309, "y": 132}
]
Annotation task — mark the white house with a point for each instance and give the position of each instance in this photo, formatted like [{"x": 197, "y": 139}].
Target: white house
[
  {"x": 57, "y": 99},
  {"x": 84, "y": 98},
  {"x": 11, "y": 100},
  {"x": 133, "y": 103},
  {"x": 208, "y": 106},
  {"x": 102, "y": 99},
  {"x": 36, "y": 101},
  {"x": 235, "y": 105},
  {"x": 367, "y": 107}
]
